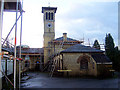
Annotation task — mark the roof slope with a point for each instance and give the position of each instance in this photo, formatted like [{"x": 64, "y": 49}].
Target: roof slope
[
  {"x": 61, "y": 39},
  {"x": 33, "y": 50},
  {"x": 100, "y": 58},
  {"x": 78, "y": 48},
  {"x": 10, "y": 50}
]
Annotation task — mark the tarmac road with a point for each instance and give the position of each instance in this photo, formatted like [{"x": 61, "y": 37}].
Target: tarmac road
[{"x": 42, "y": 80}]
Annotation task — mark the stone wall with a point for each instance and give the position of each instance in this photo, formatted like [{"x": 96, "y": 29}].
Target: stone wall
[
  {"x": 104, "y": 70},
  {"x": 53, "y": 49},
  {"x": 70, "y": 63},
  {"x": 32, "y": 62}
]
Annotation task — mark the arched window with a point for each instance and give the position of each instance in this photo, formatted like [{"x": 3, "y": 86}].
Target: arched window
[
  {"x": 51, "y": 16},
  {"x": 46, "y": 16},
  {"x": 84, "y": 63}
]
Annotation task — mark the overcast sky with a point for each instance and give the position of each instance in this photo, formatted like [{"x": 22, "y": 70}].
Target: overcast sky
[{"x": 78, "y": 18}]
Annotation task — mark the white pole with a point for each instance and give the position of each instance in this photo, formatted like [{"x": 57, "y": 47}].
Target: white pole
[
  {"x": 1, "y": 25},
  {"x": 20, "y": 45},
  {"x": 15, "y": 47}
]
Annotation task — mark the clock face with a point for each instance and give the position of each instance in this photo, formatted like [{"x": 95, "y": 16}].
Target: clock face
[{"x": 49, "y": 25}]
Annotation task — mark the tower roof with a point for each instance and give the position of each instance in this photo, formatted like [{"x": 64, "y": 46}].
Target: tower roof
[{"x": 49, "y": 8}]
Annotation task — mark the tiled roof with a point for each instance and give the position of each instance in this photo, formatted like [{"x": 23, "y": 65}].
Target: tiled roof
[
  {"x": 8, "y": 49},
  {"x": 36, "y": 50},
  {"x": 61, "y": 39},
  {"x": 81, "y": 48},
  {"x": 32, "y": 50},
  {"x": 26, "y": 50},
  {"x": 100, "y": 58}
]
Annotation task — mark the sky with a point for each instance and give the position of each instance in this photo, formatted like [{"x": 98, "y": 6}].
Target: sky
[{"x": 88, "y": 20}]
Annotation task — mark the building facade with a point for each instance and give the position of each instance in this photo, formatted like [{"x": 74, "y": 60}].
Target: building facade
[
  {"x": 32, "y": 58},
  {"x": 82, "y": 60}
]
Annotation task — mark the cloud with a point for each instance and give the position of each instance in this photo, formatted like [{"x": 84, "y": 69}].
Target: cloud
[
  {"x": 78, "y": 18},
  {"x": 93, "y": 20}
]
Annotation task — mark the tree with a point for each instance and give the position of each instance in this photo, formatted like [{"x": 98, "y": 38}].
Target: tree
[
  {"x": 109, "y": 42},
  {"x": 96, "y": 44},
  {"x": 112, "y": 52},
  {"x": 109, "y": 46}
]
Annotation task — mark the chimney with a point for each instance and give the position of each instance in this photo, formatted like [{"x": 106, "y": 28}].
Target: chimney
[{"x": 64, "y": 36}]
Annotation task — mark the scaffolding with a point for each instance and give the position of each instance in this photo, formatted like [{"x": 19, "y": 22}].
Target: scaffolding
[
  {"x": 11, "y": 6},
  {"x": 1, "y": 22}
]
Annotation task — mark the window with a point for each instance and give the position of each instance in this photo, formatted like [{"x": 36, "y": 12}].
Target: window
[
  {"x": 51, "y": 16},
  {"x": 84, "y": 63},
  {"x": 46, "y": 16}
]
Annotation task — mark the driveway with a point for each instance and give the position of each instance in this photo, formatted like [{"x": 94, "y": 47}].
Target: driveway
[{"x": 42, "y": 80}]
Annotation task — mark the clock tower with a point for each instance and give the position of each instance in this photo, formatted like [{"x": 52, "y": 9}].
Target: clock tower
[{"x": 49, "y": 30}]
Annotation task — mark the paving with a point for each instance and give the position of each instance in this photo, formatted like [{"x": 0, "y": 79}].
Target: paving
[{"x": 42, "y": 80}]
